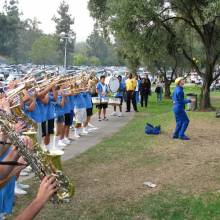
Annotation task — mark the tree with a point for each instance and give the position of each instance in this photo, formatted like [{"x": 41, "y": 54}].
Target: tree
[
  {"x": 97, "y": 46},
  {"x": 28, "y": 36},
  {"x": 80, "y": 59},
  {"x": 174, "y": 17},
  {"x": 45, "y": 50},
  {"x": 94, "y": 61},
  {"x": 64, "y": 23},
  {"x": 9, "y": 29}
]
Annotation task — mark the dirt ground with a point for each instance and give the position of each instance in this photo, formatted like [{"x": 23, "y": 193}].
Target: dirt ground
[{"x": 190, "y": 167}]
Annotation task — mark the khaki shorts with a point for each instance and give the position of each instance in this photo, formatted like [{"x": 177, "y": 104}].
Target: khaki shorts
[{"x": 80, "y": 115}]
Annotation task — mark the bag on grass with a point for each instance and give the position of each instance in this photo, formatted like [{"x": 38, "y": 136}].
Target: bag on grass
[{"x": 150, "y": 129}]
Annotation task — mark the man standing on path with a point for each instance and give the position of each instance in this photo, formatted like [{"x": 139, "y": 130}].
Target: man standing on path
[
  {"x": 102, "y": 90},
  {"x": 131, "y": 84}
]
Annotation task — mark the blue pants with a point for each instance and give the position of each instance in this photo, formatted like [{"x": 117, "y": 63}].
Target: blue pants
[
  {"x": 159, "y": 96},
  {"x": 182, "y": 122},
  {"x": 136, "y": 94}
]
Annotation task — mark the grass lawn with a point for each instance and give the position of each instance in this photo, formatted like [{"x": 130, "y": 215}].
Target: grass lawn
[{"x": 109, "y": 177}]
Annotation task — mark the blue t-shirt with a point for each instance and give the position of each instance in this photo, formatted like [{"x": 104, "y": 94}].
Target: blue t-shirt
[
  {"x": 50, "y": 107},
  {"x": 88, "y": 99},
  {"x": 67, "y": 106},
  {"x": 121, "y": 90},
  {"x": 42, "y": 109},
  {"x": 101, "y": 88},
  {"x": 7, "y": 191},
  {"x": 59, "y": 110},
  {"x": 79, "y": 101},
  {"x": 35, "y": 115},
  {"x": 72, "y": 101}
]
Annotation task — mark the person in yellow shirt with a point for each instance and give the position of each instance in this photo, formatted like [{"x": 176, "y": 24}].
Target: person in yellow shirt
[{"x": 131, "y": 84}]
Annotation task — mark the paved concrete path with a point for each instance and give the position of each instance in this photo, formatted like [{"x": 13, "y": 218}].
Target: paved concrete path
[{"x": 105, "y": 129}]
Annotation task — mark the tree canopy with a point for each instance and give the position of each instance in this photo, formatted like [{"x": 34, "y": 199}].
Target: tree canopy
[{"x": 192, "y": 28}]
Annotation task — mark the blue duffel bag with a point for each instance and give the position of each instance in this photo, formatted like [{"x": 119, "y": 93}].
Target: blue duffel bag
[{"x": 150, "y": 129}]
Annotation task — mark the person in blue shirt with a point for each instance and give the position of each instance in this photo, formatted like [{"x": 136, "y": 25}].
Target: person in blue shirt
[
  {"x": 102, "y": 91},
  {"x": 137, "y": 90},
  {"x": 120, "y": 95},
  {"x": 68, "y": 116},
  {"x": 182, "y": 120},
  {"x": 80, "y": 113},
  {"x": 7, "y": 191},
  {"x": 89, "y": 110},
  {"x": 48, "y": 97},
  {"x": 59, "y": 112}
]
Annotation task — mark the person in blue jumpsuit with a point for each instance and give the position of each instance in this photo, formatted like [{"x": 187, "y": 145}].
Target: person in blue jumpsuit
[{"x": 182, "y": 120}]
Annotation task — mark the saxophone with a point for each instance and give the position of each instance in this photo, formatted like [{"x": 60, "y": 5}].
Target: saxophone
[{"x": 38, "y": 160}]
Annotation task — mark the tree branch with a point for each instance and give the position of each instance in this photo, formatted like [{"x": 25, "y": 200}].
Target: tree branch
[{"x": 192, "y": 62}]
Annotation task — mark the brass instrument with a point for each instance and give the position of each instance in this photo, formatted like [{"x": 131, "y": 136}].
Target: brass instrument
[{"x": 41, "y": 163}]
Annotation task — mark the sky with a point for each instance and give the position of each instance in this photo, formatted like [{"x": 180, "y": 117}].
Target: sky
[{"x": 44, "y": 10}]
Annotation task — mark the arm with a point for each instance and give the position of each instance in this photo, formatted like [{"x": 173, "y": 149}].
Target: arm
[
  {"x": 45, "y": 99},
  {"x": 55, "y": 93},
  {"x": 6, "y": 169},
  {"x": 32, "y": 105},
  {"x": 62, "y": 100},
  {"x": 47, "y": 188}
]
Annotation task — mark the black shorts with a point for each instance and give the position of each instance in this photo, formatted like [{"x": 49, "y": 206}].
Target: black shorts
[
  {"x": 121, "y": 98},
  {"x": 68, "y": 119},
  {"x": 60, "y": 119},
  {"x": 47, "y": 127},
  {"x": 89, "y": 112},
  {"x": 102, "y": 105}
]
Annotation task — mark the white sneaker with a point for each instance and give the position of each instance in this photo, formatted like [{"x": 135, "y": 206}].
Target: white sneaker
[
  {"x": 66, "y": 141},
  {"x": 120, "y": 114},
  {"x": 114, "y": 114},
  {"x": 23, "y": 186},
  {"x": 83, "y": 132},
  {"x": 19, "y": 191},
  {"x": 91, "y": 126},
  {"x": 76, "y": 136},
  {"x": 23, "y": 173},
  {"x": 60, "y": 145}
]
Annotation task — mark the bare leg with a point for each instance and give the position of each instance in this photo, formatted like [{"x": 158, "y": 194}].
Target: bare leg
[{"x": 104, "y": 112}]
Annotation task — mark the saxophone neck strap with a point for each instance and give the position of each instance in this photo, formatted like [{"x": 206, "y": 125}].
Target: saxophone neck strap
[
  {"x": 4, "y": 142},
  {"x": 12, "y": 163}
]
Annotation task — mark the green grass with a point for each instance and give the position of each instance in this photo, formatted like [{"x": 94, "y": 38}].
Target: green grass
[{"x": 128, "y": 147}]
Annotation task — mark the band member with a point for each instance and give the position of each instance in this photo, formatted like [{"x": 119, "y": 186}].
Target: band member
[
  {"x": 182, "y": 120},
  {"x": 131, "y": 84},
  {"x": 102, "y": 91},
  {"x": 119, "y": 94},
  {"x": 68, "y": 119},
  {"x": 89, "y": 110},
  {"x": 59, "y": 109},
  {"x": 80, "y": 114},
  {"x": 47, "y": 188},
  {"x": 49, "y": 102},
  {"x": 9, "y": 173}
]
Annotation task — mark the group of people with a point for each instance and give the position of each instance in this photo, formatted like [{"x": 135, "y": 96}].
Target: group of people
[{"x": 56, "y": 109}]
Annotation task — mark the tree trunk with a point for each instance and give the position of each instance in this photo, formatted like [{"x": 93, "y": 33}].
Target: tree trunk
[
  {"x": 205, "y": 101},
  {"x": 167, "y": 84}
]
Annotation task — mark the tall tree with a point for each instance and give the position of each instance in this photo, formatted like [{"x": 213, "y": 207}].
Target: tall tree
[
  {"x": 9, "y": 29},
  {"x": 44, "y": 50},
  {"x": 97, "y": 45},
  {"x": 64, "y": 23}
]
